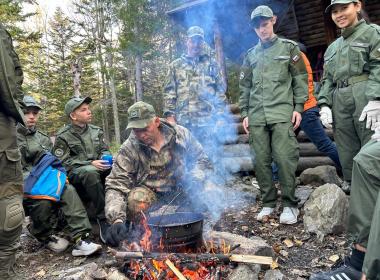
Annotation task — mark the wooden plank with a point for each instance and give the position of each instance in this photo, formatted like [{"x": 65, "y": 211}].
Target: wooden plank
[
  {"x": 251, "y": 259},
  {"x": 177, "y": 273}
]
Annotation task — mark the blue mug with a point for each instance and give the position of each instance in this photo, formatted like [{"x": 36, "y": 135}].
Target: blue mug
[{"x": 108, "y": 158}]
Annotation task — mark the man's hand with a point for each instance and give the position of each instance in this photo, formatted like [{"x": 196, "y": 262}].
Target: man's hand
[
  {"x": 116, "y": 233},
  {"x": 171, "y": 119},
  {"x": 376, "y": 135},
  {"x": 296, "y": 120},
  {"x": 372, "y": 112},
  {"x": 101, "y": 164},
  {"x": 245, "y": 125},
  {"x": 326, "y": 117}
]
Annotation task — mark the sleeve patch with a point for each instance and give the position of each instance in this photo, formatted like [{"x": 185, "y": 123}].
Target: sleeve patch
[{"x": 296, "y": 58}]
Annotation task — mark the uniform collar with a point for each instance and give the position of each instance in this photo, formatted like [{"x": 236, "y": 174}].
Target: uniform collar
[
  {"x": 346, "y": 32},
  {"x": 270, "y": 43},
  {"x": 79, "y": 129},
  {"x": 26, "y": 131}
]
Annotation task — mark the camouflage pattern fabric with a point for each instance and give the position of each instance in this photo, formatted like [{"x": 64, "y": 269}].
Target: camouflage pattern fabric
[{"x": 133, "y": 167}]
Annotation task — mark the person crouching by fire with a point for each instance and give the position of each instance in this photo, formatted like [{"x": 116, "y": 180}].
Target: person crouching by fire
[{"x": 156, "y": 160}]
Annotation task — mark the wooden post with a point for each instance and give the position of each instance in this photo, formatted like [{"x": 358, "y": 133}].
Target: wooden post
[{"x": 219, "y": 51}]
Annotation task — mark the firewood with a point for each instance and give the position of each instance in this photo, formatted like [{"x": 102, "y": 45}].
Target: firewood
[{"x": 177, "y": 273}]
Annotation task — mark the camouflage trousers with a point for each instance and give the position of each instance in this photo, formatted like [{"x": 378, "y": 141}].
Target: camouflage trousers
[{"x": 11, "y": 210}]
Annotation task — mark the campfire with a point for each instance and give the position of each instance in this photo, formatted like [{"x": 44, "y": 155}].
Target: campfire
[{"x": 172, "y": 247}]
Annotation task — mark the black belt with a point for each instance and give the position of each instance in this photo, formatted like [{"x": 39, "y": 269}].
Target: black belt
[{"x": 350, "y": 81}]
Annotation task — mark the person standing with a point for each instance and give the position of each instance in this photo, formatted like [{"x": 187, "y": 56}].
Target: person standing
[
  {"x": 273, "y": 90},
  {"x": 351, "y": 82},
  {"x": 34, "y": 144},
  {"x": 80, "y": 146},
  {"x": 11, "y": 183},
  {"x": 194, "y": 93}
]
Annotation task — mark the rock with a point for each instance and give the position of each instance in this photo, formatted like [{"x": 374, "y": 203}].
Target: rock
[
  {"x": 78, "y": 273},
  {"x": 273, "y": 275},
  {"x": 320, "y": 175},
  {"x": 99, "y": 274},
  {"x": 249, "y": 246},
  {"x": 114, "y": 274},
  {"x": 326, "y": 211},
  {"x": 246, "y": 272},
  {"x": 303, "y": 193}
]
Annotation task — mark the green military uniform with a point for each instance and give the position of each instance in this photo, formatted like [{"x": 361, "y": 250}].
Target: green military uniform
[
  {"x": 44, "y": 213},
  {"x": 142, "y": 174},
  {"x": 77, "y": 147},
  {"x": 273, "y": 84},
  {"x": 11, "y": 184},
  {"x": 351, "y": 78},
  {"x": 194, "y": 92},
  {"x": 364, "y": 211}
]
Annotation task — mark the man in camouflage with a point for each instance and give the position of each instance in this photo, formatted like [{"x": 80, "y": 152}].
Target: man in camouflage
[
  {"x": 80, "y": 146},
  {"x": 273, "y": 90},
  {"x": 43, "y": 212},
  {"x": 194, "y": 92},
  {"x": 157, "y": 159},
  {"x": 11, "y": 184}
]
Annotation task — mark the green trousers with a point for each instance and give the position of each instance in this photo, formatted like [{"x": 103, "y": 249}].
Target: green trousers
[
  {"x": 277, "y": 141},
  {"x": 349, "y": 134},
  {"x": 11, "y": 210},
  {"x": 44, "y": 215},
  {"x": 364, "y": 211},
  {"x": 89, "y": 182}
]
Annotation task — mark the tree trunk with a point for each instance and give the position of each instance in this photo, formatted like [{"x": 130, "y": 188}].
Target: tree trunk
[
  {"x": 76, "y": 69},
  {"x": 139, "y": 89},
  {"x": 219, "y": 51}
]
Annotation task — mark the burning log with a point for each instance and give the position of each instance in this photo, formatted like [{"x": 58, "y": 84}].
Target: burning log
[
  {"x": 175, "y": 270},
  {"x": 201, "y": 258}
]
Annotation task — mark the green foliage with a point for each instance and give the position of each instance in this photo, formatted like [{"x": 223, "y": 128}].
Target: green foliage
[{"x": 233, "y": 74}]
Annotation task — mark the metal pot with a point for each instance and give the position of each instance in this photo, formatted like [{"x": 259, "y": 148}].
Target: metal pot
[{"x": 177, "y": 232}]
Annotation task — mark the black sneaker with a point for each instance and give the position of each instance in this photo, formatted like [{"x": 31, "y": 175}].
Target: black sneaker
[
  {"x": 340, "y": 271},
  {"x": 103, "y": 229}
]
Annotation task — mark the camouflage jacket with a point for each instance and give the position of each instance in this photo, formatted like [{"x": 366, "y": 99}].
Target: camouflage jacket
[
  {"x": 132, "y": 166},
  {"x": 355, "y": 53},
  {"x": 11, "y": 77},
  {"x": 76, "y": 146},
  {"x": 194, "y": 89},
  {"x": 33, "y": 144},
  {"x": 273, "y": 82}
]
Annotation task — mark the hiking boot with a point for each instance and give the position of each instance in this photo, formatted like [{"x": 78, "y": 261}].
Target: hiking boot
[
  {"x": 266, "y": 211},
  {"x": 340, "y": 270},
  {"x": 103, "y": 229},
  {"x": 289, "y": 215},
  {"x": 85, "y": 247},
  {"x": 57, "y": 244}
]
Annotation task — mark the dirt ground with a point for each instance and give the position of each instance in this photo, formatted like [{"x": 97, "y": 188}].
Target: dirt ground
[{"x": 297, "y": 253}]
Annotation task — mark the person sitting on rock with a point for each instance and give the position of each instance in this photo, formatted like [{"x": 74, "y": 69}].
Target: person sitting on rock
[{"x": 34, "y": 144}]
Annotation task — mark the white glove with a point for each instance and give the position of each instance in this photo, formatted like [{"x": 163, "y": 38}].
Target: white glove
[
  {"x": 376, "y": 136},
  {"x": 326, "y": 117},
  {"x": 372, "y": 112}
]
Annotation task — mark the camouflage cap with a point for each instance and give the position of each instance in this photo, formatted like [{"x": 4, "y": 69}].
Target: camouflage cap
[
  {"x": 29, "y": 101},
  {"x": 140, "y": 114},
  {"x": 333, "y": 2},
  {"x": 195, "y": 31},
  {"x": 261, "y": 11},
  {"x": 74, "y": 103}
]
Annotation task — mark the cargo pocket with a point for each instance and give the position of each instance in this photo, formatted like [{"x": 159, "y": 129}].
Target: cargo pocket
[
  {"x": 359, "y": 56},
  {"x": 14, "y": 215},
  {"x": 10, "y": 164}
]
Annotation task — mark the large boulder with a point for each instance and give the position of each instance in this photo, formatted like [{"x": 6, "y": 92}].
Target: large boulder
[
  {"x": 326, "y": 211},
  {"x": 320, "y": 175}
]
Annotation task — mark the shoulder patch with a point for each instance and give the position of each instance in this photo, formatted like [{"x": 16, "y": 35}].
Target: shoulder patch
[
  {"x": 58, "y": 152},
  {"x": 295, "y": 58}
]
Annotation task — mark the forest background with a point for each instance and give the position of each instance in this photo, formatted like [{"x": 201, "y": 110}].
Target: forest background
[{"x": 123, "y": 49}]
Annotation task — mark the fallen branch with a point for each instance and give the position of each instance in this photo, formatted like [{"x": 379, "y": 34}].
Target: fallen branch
[{"x": 219, "y": 258}]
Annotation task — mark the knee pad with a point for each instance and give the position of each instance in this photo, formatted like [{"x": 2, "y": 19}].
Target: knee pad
[{"x": 11, "y": 218}]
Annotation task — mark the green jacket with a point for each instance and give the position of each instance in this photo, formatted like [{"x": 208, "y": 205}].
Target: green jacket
[
  {"x": 133, "y": 166},
  {"x": 11, "y": 77},
  {"x": 273, "y": 82},
  {"x": 33, "y": 144},
  {"x": 76, "y": 146},
  {"x": 355, "y": 53},
  {"x": 194, "y": 89}
]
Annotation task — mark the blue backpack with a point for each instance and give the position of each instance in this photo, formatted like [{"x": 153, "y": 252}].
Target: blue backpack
[{"x": 46, "y": 180}]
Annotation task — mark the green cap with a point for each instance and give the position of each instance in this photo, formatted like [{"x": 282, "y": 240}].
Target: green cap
[
  {"x": 261, "y": 11},
  {"x": 74, "y": 103},
  {"x": 195, "y": 31},
  {"x": 29, "y": 101},
  {"x": 140, "y": 114},
  {"x": 333, "y": 2}
]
